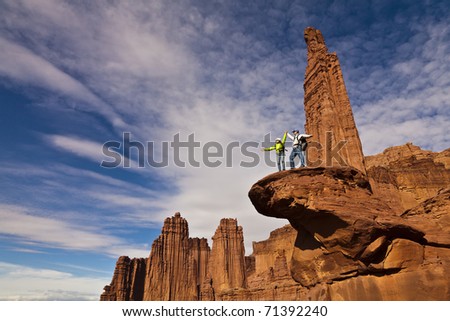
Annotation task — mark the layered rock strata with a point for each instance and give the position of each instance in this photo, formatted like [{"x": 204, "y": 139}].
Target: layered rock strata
[
  {"x": 404, "y": 176},
  {"x": 175, "y": 269},
  {"x": 272, "y": 256}
]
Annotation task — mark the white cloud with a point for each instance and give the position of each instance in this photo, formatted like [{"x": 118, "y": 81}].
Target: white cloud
[
  {"x": 85, "y": 197},
  {"x": 131, "y": 54},
  {"x": 81, "y": 147},
  {"x": 90, "y": 150},
  {"x": 55, "y": 233},
  {"x": 126, "y": 201},
  {"x": 19, "y": 282},
  {"x": 212, "y": 194},
  {"x": 23, "y": 65},
  {"x": 25, "y": 250},
  {"x": 407, "y": 100},
  {"x": 20, "y": 64}
]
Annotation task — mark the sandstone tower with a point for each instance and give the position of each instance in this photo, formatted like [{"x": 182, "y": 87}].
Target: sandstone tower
[
  {"x": 329, "y": 116},
  {"x": 227, "y": 261},
  {"x": 181, "y": 268}
]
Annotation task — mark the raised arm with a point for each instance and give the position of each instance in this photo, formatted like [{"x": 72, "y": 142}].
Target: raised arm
[{"x": 283, "y": 140}]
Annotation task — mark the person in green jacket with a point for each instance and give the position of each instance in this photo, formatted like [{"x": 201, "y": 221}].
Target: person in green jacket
[{"x": 279, "y": 149}]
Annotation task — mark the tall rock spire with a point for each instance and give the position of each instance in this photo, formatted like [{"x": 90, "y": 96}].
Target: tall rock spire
[
  {"x": 226, "y": 266},
  {"x": 128, "y": 280},
  {"x": 329, "y": 116},
  {"x": 177, "y": 263}
]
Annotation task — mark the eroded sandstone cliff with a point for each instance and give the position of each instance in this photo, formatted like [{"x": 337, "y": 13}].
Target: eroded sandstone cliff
[
  {"x": 406, "y": 175},
  {"x": 176, "y": 263},
  {"x": 226, "y": 268},
  {"x": 128, "y": 281},
  {"x": 183, "y": 268},
  {"x": 351, "y": 245},
  {"x": 175, "y": 269}
]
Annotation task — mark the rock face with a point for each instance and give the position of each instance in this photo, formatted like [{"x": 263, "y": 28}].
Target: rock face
[
  {"x": 329, "y": 116},
  {"x": 177, "y": 263},
  {"x": 174, "y": 271},
  {"x": 226, "y": 268},
  {"x": 343, "y": 243},
  {"x": 405, "y": 176},
  {"x": 181, "y": 268},
  {"x": 128, "y": 281},
  {"x": 351, "y": 245},
  {"x": 272, "y": 256},
  {"x": 268, "y": 270}
]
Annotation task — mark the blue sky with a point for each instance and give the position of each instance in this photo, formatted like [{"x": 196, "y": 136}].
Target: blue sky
[{"x": 74, "y": 75}]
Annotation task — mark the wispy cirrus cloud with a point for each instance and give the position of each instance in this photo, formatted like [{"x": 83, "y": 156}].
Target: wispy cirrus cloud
[
  {"x": 415, "y": 107},
  {"x": 23, "y": 66},
  {"x": 23, "y": 225},
  {"x": 71, "y": 193},
  {"x": 21, "y": 282},
  {"x": 81, "y": 147}
]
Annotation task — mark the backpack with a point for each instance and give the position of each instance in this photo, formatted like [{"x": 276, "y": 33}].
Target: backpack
[{"x": 303, "y": 143}]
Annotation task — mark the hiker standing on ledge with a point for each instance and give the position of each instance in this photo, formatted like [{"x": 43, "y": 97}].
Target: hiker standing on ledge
[
  {"x": 279, "y": 149},
  {"x": 299, "y": 145}
]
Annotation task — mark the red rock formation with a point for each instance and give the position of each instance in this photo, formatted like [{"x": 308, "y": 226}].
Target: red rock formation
[
  {"x": 175, "y": 270},
  {"x": 128, "y": 281},
  {"x": 351, "y": 245},
  {"x": 406, "y": 175},
  {"x": 329, "y": 116},
  {"x": 183, "y": 268},
  {"x": 200, "y": 253},
  {"x": 436, "y": 212},
  {"x": 177, "y": 263},
  {"x": 226, "y": 268},
  {"x": 272, "y": 257}
]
